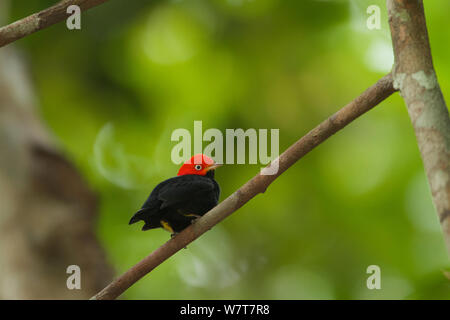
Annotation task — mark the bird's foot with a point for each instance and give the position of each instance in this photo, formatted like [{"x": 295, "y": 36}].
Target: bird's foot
[
  {"x": 195, "y": 219},
  {"x": 172, "y": 235}
]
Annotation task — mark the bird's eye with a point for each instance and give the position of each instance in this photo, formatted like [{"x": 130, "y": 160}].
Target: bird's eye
[{"x": 198, "y": 167}]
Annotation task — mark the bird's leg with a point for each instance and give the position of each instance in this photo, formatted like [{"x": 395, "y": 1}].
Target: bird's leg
[
  {"x": 173, "y": 234},
  {"x": 195, "y": 216}
]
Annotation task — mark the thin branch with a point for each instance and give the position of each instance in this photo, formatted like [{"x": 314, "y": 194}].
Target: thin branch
[
  {"x": 416, "y": 79},
  {"x": 366, "y": 101},
  {"x": 42, "y": 19}
]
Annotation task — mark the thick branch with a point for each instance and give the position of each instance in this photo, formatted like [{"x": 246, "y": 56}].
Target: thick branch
[
  {"x": 416, "y": 79},
  {"x": 41, "y": 20},
  {"x": 366, "y": 101}
]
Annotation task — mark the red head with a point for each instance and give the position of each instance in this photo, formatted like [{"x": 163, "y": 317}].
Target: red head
[{"x": 198, "y": 164}]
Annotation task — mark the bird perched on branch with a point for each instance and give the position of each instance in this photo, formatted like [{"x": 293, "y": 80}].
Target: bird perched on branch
[{"x": 176, "y": 202}]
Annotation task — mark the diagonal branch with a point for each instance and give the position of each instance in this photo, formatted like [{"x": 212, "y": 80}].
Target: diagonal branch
[
  {"x": 366, "y": 101},
  {"x": 42, "y": 20},
  {"x": 416, "y": 79}
]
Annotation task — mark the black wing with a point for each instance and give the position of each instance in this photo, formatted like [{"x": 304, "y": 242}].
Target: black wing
[
  {"x": 186, "y": 192},
  {"x": 184, "y": 195}
]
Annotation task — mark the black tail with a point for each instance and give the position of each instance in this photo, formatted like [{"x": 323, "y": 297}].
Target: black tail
[
  {"x": 143, "y": 215},
  {"x": 137, "y": 217},
  {"x": 148, "y": 226}
]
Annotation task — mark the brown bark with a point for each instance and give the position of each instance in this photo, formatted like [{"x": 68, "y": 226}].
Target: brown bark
[
  {"x": 416, "y": 79},
  {"x": 366, "y": 101},
  {"x": 47, "y": 212},
  {"x": 42, "y": 19},
  {"x": 413, "y": 75}
]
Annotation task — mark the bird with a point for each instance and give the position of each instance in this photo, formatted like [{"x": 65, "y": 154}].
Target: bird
[{"x": 177, "y": 202}]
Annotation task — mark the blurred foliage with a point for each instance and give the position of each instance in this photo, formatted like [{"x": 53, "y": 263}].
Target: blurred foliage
[{"x": 113, "y": 92}]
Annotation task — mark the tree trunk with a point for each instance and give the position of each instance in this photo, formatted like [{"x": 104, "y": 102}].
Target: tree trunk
[{"x": 47, "y": 212}]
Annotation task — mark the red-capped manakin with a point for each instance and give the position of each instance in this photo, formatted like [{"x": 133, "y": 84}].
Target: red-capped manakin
[{"x": 176, "y": 202}]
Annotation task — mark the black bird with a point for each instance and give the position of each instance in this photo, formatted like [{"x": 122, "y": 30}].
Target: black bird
[{"x": 176, "y": 202}]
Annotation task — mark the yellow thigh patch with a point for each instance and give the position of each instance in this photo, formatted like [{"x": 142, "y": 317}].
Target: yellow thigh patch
[{"x": 166, "y": 226}]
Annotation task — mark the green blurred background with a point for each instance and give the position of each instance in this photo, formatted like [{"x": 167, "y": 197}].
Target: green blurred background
[{"x": 113, "y": 92}]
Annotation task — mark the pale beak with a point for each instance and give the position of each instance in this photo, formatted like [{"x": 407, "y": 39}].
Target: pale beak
[{"x": 213, "y": 167}]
